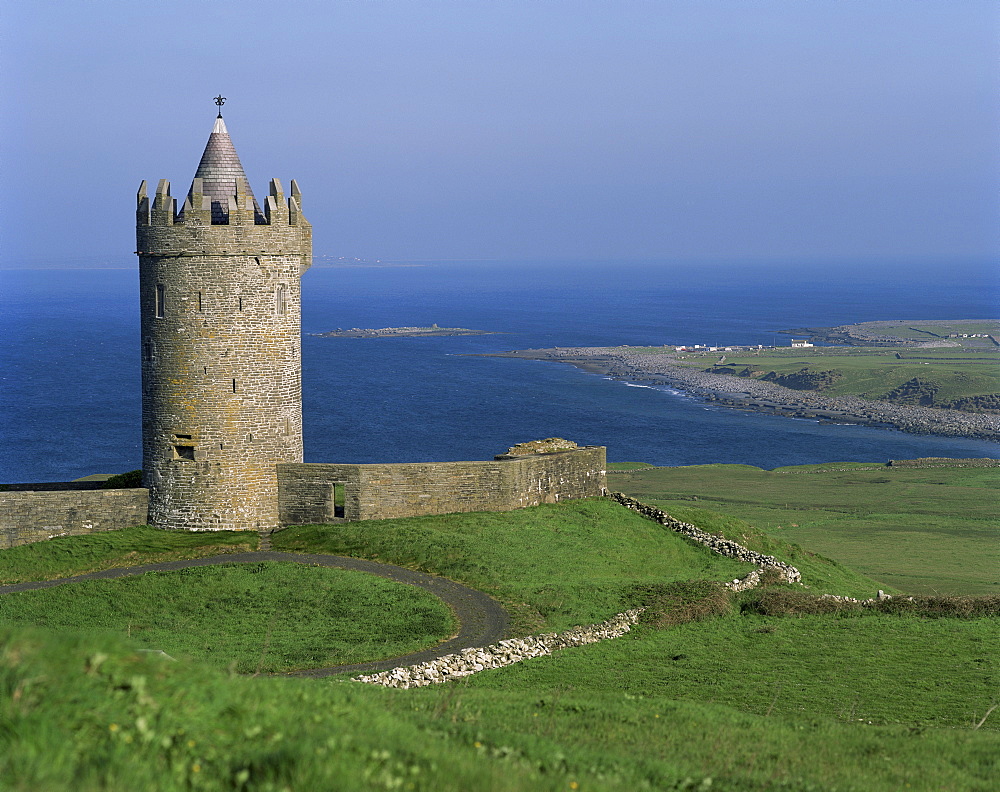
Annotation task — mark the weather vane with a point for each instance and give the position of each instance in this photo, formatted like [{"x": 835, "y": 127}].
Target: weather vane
[{"x": 220, "y": 100}]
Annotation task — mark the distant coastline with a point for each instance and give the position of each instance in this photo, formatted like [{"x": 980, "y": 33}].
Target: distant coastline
[
  {"x": 925, "y": 333},
  {"x": 638, "y": 364},
  {"x": 401, "y": 332}
]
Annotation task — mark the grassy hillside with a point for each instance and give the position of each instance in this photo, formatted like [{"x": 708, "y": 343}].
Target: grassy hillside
[
  {"x": 852, "y": 700},
  {"x": 942, "y": 376},
  {"x": 553, "y": 566},
  {"x": 933, "y": 330},
  {"x": 921, "y": 530},
  {"x": 873, "y": 703}
]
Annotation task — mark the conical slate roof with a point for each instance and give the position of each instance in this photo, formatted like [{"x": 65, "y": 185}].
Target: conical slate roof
[{"x": 219, "y": 169}]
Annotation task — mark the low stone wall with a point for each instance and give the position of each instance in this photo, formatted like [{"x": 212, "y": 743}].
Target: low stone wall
[
  {"x": 306, "y": 493},
  {"x": 386, "y": 491},
  {"x": 34, "y": 516},
  {"x": 726, "y": 547},
  {"x": 505, "y": 653}
]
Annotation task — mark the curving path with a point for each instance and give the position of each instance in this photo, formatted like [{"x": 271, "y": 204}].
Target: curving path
[{"x": 482, "y": 621}]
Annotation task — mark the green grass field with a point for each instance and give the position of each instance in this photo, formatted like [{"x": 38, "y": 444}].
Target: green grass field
[
  {"x": 876, "y": 373},
  {"x": 555, "y": 566},
  {"x": 267, "y": 617},
  {"x": 920, "y": 530},
  {"x": 67, "y": 556},
  {"x": 933, "y": 330},
  {"x": 853, "y": 700}
]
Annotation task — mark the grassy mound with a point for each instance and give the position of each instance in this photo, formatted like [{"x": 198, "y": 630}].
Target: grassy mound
[
  {"x": 553, "y": 566},
  {"x": 267, "y": 617}
]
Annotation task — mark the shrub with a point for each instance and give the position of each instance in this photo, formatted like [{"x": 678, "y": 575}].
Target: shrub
[
  {"x": 124, "y": 480},
  {"x": 668, "y": 604},
  {"x": 942, "y": 607},
  {"x": 788, "y": 602}
]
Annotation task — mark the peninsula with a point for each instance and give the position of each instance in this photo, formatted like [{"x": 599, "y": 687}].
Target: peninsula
[
  {"x": 925, "y": 333},
  {"x": 401, "y": 332},
  {"x": 929, "y": 395}
]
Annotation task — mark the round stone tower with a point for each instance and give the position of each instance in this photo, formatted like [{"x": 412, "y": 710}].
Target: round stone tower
[{"x": 221, "y": 344}]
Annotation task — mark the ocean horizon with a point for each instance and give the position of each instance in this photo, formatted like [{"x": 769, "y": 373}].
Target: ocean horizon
[{"x": 69, "y": 365}]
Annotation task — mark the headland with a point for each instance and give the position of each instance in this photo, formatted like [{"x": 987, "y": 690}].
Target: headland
[
  {"x": 694, "y": 375},
  {"x": 925, "y": 333}
]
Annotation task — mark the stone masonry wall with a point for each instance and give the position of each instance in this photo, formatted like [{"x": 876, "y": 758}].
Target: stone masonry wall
[
  {"x": 375, "y": 492},
  {"x": 221, "y": 356},
  {"x": 28, "y": 516},
  {"x": 371, "y": 492}
]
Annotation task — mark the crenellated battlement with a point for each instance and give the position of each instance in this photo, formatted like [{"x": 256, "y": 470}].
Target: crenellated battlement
[
  {"x": 165, "y": 229},
  {"x": 197, "y": 207}
]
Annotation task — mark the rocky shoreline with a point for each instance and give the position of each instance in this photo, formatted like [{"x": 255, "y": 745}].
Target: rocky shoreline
[{"x": 633, "y": 365}]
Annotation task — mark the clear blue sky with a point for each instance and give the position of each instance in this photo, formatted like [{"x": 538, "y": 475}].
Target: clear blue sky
[{"x": 522, "y": 129}]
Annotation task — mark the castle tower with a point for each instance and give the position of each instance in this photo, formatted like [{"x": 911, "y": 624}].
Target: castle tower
[{"x": 221, "y": 344}]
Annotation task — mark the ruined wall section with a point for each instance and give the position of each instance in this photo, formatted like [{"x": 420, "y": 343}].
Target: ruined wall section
[
  {"x": 221, "y": 355},
  {"x": 384, "y": 491}
]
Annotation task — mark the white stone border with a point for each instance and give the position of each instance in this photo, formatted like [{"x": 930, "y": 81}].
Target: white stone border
[
  {"x": 505, "y": 653},
  {"x": 726, "y": 547}
]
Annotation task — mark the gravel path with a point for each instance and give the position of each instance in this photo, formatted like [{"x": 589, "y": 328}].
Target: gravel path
[{"x": 482, "y": 621}]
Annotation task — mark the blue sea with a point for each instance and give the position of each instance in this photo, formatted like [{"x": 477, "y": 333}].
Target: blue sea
[{"x": 69, "y": 360}]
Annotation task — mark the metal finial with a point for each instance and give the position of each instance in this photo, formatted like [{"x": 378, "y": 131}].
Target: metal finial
[{"x": 220, "y": 100}]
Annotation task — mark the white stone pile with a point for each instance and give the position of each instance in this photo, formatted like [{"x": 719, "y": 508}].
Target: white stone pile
[
  {"x": 746, "y": 582},
  {"x": 880, "y": 597},
  {"x": 504, "y": 653},
  {"x": 726, "y": 547}
]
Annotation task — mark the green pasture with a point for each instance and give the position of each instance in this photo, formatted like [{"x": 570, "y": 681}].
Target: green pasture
[
  {"x": 740, "y": 703},
  {"x": 919, "y": 530},
  {"x": 66, "y": 556},
  {"x": 266, "y": 617},
  {"x": 934, "y": 329},
  {"x": 874, "y": 373},
  {"x": 553, "y": 566},
  {"x": 805, "y": 701}
]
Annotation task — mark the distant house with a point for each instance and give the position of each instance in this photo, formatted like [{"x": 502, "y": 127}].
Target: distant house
[{"x": 800, "y": 342}]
